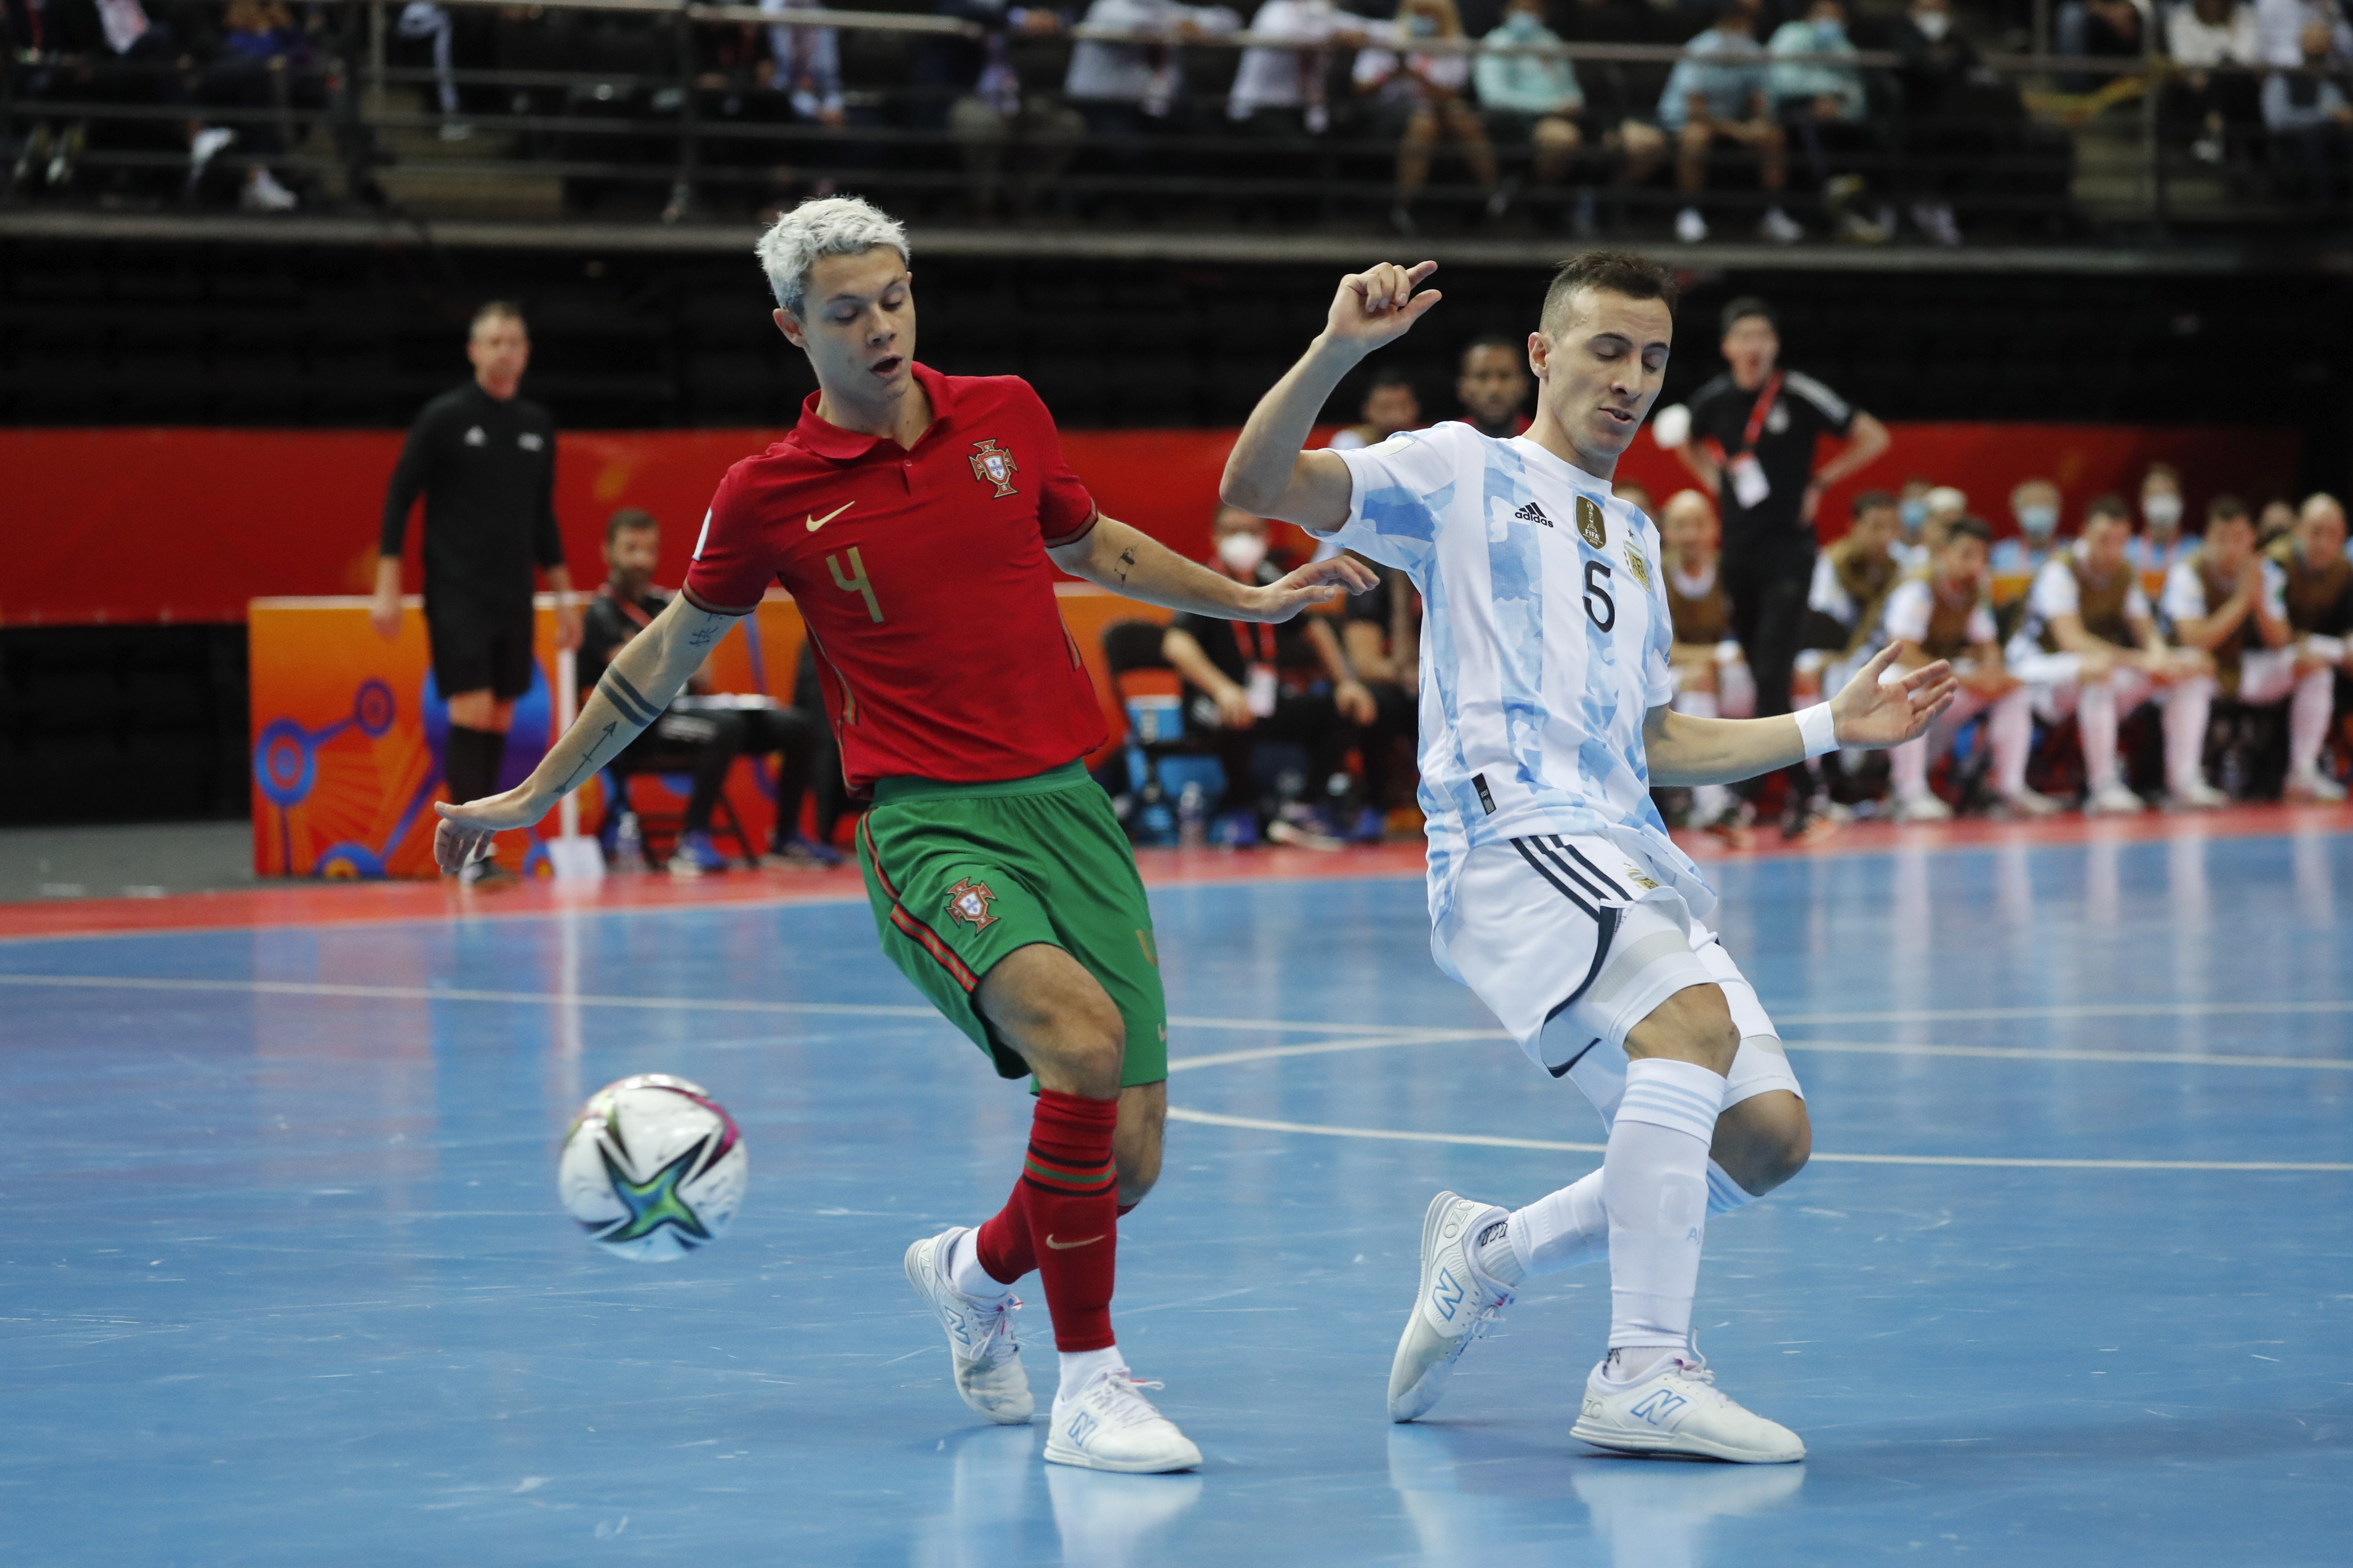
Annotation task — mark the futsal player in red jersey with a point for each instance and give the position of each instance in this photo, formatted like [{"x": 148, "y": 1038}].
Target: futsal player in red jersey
[{"x": 916, "y": 519}]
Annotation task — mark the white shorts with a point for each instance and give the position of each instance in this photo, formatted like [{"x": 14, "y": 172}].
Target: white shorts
[{"x": 1572, "y": 943}]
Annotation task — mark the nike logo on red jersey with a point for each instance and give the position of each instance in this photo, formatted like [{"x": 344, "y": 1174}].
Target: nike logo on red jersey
[{"x": 817, "y": 522}]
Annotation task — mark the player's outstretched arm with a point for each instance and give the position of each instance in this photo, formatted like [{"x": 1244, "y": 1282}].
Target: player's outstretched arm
[
  {"x": 1683, "y": 749},
  {"x": 650, "y": 670},
  {"x": 1268, "y": 475},
  {"x": 1129, "y": 562}
]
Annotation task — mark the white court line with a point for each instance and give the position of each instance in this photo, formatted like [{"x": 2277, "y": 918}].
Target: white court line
[
  {"x": 1262, "y": 1124},
  {"x": 1855, "y": 1047},
  {"x": 2085, "y": 1010},
  {"x": 1382, "y": 1034}
]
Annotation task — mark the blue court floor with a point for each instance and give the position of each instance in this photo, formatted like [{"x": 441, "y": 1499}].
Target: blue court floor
[{"x": 2070, "y": 1281}]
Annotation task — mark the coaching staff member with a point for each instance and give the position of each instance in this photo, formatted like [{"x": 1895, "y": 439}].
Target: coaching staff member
[
  {"x": 484, "y": 459},
  {"x": 1752, "y": 436}
]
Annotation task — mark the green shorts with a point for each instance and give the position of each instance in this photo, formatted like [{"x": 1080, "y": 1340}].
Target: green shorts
[{"x": 962, "y": 874}]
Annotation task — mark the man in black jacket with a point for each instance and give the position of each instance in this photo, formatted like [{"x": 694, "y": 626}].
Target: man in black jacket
[{"x": 484, "y": 461}]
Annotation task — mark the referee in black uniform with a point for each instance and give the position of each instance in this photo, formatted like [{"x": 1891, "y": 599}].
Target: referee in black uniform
[
  {"x": 1752, "y": 435},
  {"x": 484, "y": 459}
]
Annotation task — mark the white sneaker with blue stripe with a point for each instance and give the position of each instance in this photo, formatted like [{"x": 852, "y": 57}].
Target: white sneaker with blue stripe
[
  {"x": 1674, "y": 1408},
  {"x": 1110, "y": 1426},
  {"x": 981, "y": 1347},
  {"x": 1456, "y": 1304}
]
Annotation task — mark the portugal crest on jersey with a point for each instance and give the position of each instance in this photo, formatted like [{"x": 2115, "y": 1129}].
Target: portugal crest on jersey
[
  {"x": 968, "y": 904},
  {"x": 992, "y": 465},
  {"x": 1589, "y": 526}
]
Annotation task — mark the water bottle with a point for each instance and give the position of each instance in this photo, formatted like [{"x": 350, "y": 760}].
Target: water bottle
[
  {"x": 1192, "y": 811},
  {"x": 629, "y": 844}
]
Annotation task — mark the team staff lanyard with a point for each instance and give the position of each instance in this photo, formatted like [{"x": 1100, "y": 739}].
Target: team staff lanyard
[
  {"x": 1256, "y": 640},
  {"x": 1749, "y": 485}
]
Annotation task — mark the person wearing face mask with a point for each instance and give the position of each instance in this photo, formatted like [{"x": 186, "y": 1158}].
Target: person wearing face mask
[
  {"x": 1249, "y": 682},
  {"x": 1530, "y": 101},
  {"x": 2035, "y": 504},
  {"x": 1418, "y": 98},
  {"x": 1718, "y": 99},
  {"x": 2162, "y": 546},
  {"x": 1822, "y": 106},
  {"x": 1912, "y": 517},
  {"x": 1942, "y": 139}
]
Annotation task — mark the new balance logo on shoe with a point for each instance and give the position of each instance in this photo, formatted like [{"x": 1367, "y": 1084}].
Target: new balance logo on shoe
[
  {"x": 1082, "y": 1426},
  {"x": 1446, "y": 1295},
  {"x": 1658, "y": 1407},
  {"x": 1532, "y": 513}
]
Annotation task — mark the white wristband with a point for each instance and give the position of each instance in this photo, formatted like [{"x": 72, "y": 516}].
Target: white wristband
[{"x": 1816, "y": 729}]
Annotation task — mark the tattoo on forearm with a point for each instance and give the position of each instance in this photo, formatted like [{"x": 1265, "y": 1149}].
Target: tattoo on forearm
[
  {"x": 1127, "y": 560},
  {"x": 628, "y": 698},
  {"x": 703, "y": 636},
  {"x": 589, "y": 756}
]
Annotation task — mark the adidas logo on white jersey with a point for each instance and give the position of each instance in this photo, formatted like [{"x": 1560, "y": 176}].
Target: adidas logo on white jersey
[{"x": 1532, "y": 513}]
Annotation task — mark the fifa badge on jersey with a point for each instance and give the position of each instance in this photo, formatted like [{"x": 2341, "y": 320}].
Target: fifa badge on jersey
[
  {"x": 992, "y": 465},
  {"x": 969, "y": 903},
  {"x": 1589, "y": 526},
  {"x": 1637, "y": 565}
]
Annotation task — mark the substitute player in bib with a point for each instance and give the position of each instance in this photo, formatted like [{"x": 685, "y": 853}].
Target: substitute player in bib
[
  {"x": 1554, "y": 892},
  {"x": 916, "y": 518}
]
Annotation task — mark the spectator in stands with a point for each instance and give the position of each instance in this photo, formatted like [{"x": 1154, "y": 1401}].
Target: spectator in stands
[
  {"x": 2319, "y": 595},
  {"x": 2215, "y": 107},
  {"x": 1943, "y": 140},
  {"x": 1852, "y": 578},
  {"x": 265, "y": 64},
  {"x": 420, "y": 21},
  {"x": 1718, "y": 96},
  {"x": 2281, "y": 25},
  {"x": 1389, "y": 407},
  {"x": 1283, "y": 93},
  {"x": 703, "y": 731},
  {"x": 2098, "y": 29},
  {"x": 1381, "y": 632},
  {"x": 1711, "y": 678},
  {"x": 2035, "y": 504},
  {"x": 1947, "y": 614},
  {"x": 1620, "y": 98},
  {"x": 115, "y": 55},
  {"x": 1531, "y": 101},
  {"x": 1123, "y": 90},
  {"x": 2160, "y": 511},
  {"x": 972, "y": 88},
  {"x": 2230, "y": 602},
  {"x": 1911, "y": 515},
  {"x": 1823, "y": 108},
  {"x": 2088, "y": 646},
  {"x": 1247, "y": 684},
  {"x": 2275, "y": 522},
  {"x": 2311, "y": 120},
  {"x": 1491, "y": 383},
  {"x": 1418, "y": 98}
]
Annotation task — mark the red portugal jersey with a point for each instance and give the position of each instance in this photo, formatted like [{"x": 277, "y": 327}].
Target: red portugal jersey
[{"x": 923, "y": 578}]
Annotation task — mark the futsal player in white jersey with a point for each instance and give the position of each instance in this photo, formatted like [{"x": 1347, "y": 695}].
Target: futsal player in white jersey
[{"x": 1554, "y": 892}]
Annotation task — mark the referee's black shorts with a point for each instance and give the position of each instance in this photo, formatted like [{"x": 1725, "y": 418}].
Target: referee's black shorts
[{"x": 478, "y": 647}]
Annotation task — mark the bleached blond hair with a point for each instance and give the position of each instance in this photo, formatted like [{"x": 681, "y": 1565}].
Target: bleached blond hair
[{"x": 829, "y": 226}]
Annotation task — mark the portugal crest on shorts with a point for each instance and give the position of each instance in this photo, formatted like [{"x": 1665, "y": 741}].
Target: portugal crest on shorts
[
  {"x": 1589, "y": 526},
  {"x": 992, "y": 465},
  {"x": 968, "y": 904}
]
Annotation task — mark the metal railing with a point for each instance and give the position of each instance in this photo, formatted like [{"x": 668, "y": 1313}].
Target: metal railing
[{"x": 655, "y": 107}]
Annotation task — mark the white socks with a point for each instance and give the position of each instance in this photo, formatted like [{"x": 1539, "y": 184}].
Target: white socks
[
  {"x": 1654, "y": 1186},
  {"x": 2010, "y": 735},
  {"x": 965, "y": 1273},
  {"x": 1080, "y": 1367},
  {"x": 1570, "y": 1228},
  {"x": 2308, "y": 713},
  {"x": 2186, "y": 707}
]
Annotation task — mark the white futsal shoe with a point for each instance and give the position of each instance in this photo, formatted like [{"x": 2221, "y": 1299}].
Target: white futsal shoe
[
  {"x": 986, "y": 1357},
  {"x": 1455, "y": 1305},
  {"x": 1674, "y": 1408},
  {"x": 1111, "y": 1427},
  {"x": 2113, "y": 800}
]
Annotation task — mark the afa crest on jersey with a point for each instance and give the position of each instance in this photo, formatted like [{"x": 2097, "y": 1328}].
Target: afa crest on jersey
[
  {"x": 992, "y": 465},
  {"x": 1637, "y": 565},
  {"x": 968, "y": 904}
]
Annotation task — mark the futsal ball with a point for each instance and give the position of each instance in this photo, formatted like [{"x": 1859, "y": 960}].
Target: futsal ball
[{"x": 652, "y": 1167}]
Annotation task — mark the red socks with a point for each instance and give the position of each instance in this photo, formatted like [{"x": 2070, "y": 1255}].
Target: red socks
[{"x": 1063, "y": 1218}]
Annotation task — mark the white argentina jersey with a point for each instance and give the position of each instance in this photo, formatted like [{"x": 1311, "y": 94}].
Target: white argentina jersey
[{"x": 1544, "y": 642}]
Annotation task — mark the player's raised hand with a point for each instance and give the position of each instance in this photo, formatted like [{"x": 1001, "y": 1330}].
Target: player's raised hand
[
  {"x": 1317, "y": 583},
  {"x": 1867, "y": 713},
  {"x": 1379, "y": 305},
  {"x": 468, "y": 828}
]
